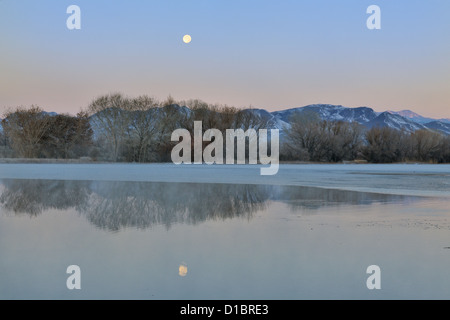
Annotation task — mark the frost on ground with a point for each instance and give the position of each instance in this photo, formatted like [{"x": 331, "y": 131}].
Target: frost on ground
[{"x": 403, "y": 179}]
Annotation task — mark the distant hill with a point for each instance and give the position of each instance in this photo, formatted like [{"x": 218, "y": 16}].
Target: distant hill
[{"x": 405, "y": 120}]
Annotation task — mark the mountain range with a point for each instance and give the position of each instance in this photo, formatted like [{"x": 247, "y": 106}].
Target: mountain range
[{"x": 402, "y": 120}]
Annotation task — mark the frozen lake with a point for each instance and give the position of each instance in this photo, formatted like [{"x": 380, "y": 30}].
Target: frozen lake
[
  {"x": 161, "y": 231},
  {"x": 404, "y": 179}
]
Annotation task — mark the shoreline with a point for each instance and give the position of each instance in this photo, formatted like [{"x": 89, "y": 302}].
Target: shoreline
[
  {"x": 90, "y": 161},
  {"x": 427, "y": 180}
]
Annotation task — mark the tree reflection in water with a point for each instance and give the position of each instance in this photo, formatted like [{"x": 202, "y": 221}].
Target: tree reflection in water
[
  {"x": 116, "y": 205},
  {"x": 33, "y": 197}
]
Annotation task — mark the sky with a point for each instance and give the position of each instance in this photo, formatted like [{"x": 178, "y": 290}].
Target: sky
[{"x": 261, "y": 53}]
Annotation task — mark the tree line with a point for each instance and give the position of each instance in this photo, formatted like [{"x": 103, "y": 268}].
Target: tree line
[
  {"x": 311, "y": 139},
  {"x": 32, "y": 133},
  {"x": 115, "y": 128},
  {"x": 122, "y": 129}
]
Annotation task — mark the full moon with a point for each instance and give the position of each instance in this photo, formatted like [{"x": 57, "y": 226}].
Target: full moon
[
  {"x": 187, "y": 38},
  {"x": 182, "y": 270}
]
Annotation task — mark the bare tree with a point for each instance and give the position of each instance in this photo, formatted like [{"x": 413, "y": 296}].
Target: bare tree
[
  {"x": 445, "y": 150},
  {"x": 340, "y": 140},
  {"x": 144, "y": 126},
  {"x": 426, "y": 145},
  {"x": 303, "y": 136},
  {"x": 67, "y": 136},
  {"x": 25, "y": 129},
  {"x": 170, "y": 117},
  {"x": 384, "y": 145},
  {"x": 310, "y": 138},
  {"x": 111, "y": 121}
]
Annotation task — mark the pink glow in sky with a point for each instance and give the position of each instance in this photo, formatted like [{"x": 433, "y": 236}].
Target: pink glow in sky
[{"x": 268, "y": 54}]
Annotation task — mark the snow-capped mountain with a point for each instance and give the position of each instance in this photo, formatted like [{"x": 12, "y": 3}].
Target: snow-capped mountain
[
  {"x": 395, "y": 121},
  {"x": 362, "y": 115},
  {"x": 417, "y": 117},
  {"x": 331, "y": 113}
]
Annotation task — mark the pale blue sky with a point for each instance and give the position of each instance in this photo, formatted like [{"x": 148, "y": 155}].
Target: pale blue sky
[{"x": 269, "y": 54}]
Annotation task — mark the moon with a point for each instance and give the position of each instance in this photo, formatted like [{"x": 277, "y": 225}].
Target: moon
[
  {"x": 187, "y": 38},
  {"x": 182, "y": 270}
]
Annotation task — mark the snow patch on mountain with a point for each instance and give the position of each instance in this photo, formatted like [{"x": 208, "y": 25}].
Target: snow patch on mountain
[{"x": 439, "y": 126}]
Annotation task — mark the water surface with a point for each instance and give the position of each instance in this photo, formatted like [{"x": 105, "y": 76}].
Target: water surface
[{"x": 166, "y": 240}]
